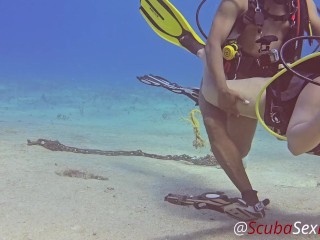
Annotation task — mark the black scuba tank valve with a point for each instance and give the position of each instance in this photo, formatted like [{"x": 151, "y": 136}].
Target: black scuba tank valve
[{"x": 268, "y": 56}]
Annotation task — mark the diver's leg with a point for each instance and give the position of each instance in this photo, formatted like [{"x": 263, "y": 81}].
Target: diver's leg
[
  {"x": 248, "y": 88},
  {"x": 241, "y": 130},
  {"x": 224, "y": 149},
  {"x": 303, "y": 131}
]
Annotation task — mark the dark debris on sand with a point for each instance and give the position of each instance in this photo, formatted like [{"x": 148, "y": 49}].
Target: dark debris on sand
[{"x": 80, "y": 174}]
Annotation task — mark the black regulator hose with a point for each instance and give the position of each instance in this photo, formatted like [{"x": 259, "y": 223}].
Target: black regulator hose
[
  {"x": 288, "y": 67},
  {"x": 198, "y": 21}
]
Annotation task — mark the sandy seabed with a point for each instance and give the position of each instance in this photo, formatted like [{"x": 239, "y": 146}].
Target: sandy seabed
[{"x": 128, "y": 203}]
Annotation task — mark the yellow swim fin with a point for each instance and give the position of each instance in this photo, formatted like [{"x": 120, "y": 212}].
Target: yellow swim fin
[{"x": 170, "y": 24}]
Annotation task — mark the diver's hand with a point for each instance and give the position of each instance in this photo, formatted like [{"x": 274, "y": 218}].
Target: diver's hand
[{"x": 227, "y": 100}]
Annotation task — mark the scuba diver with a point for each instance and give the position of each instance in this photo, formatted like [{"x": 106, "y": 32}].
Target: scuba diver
[{"x": 240, "y": 56}]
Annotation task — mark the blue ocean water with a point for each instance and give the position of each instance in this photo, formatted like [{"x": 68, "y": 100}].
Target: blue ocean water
[
  {"x": 87, "y": 41},
  {"x": 58, "y": 58},
  {"x": 91, "y": 42}
]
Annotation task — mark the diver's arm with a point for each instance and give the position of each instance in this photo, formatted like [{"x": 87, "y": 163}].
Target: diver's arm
[
  {"x": 314, "y": 17},
  {"x": 223, "y": 22}
]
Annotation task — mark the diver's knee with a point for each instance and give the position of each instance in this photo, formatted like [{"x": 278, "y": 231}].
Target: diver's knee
[
  {"x": 244, "y": 151},
  {"x": 293, "y": 148},
  {"x": 293, "y": 144}
]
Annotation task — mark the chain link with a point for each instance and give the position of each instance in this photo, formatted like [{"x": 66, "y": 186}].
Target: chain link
[{"x": 207, "y": 160}]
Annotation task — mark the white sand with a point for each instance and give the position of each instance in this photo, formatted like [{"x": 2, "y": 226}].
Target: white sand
[{"x": 36, "y": 203}]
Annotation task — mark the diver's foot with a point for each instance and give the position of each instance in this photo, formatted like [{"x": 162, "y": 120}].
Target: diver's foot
[
  {"x": 245, "y": 212},
  {"x": 189, "y": 42}
]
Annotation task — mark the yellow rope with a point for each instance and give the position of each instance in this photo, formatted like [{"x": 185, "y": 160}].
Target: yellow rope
[{"x": 198, "y": 142}]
